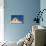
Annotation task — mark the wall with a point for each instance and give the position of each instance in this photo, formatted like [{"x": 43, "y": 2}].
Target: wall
[
  {"x": 43, "y": 6},
  {"x": 1, "y": 20},
  {"x": 13, "y": 32}
]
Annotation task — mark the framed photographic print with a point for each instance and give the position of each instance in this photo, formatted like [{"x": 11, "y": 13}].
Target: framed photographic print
[{"x": 17, "y": 19}]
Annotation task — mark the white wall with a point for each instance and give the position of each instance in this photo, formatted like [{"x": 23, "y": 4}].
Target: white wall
[
  {"x": 43, "y": 6},
  {"x": 1, "y": 20}
]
